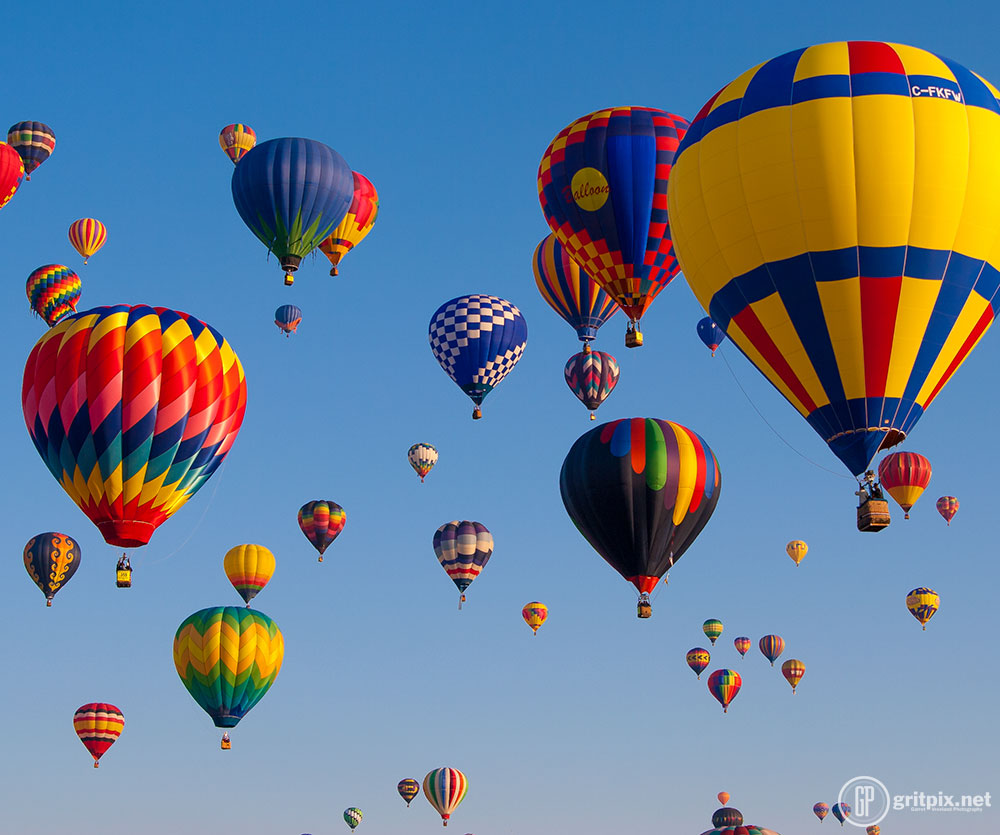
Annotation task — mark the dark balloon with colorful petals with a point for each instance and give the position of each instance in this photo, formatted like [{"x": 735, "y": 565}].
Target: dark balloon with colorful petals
[
  {"x": 53, "y": 292},
  {"x": 51, "y": 559},
  {"x": 34, "y": 142},
  {"x": 321, "y": 521},
  {"x": 640, "y": 491}
]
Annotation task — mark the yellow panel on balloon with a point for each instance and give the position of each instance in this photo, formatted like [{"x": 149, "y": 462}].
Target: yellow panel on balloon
[
  {"x": 916, "y": 303},
  {"x": 841, "y": 301}
]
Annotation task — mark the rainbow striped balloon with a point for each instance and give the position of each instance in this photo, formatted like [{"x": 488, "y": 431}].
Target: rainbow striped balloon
[
  {"x": 771, "y": 646},
  {"x": 444, "y": 789},
  {"x": 249, "y": 568},
  {"x": 321, "y": 522},
  {"x": 724, "y": 685},
  {"x": 228, "y": 658},
  {"x": 98, "y": 725},
  {"x": 355, "y": 226},
  {"x": 742, "y": 644},
  {"x": 132, "y": 409},
  {"x": 53, "y": 291},
  {"x": 87, "y": 236}
]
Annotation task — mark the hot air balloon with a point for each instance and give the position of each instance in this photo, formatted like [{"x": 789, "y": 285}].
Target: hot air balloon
[
  {"x": 11, "y": 173},
  {"x": 534, "y": 615},
  {"x": 698, "y": 660},
  {"x": 291, "y": 193},
  {"x": 249, "y": 568},
  {"x": 723, "y": 797},
  {"x": 408, "y": 789},
  {"x": 477, "y": 340},
  {"x": 602, "y": 183},
  {"x": 98, "y": 725},
  {"x": 793, "y": 670},
  {"x": 355, "y": 226},
  {"x": 711, "y": 334},
  {"x": 228, "y": 658},
  {"x": 287, "y": 318},
  {"x": 422, "y": 458},
  {"x": 797, "y": 550},
  {"x": 841, "y": 811},
  {"x": 821, "y": 810},
  {"x": 872, "y": 830},
  {"x": 923, "y": 603},
  {"x": 591, "y": 376},
  {"x": 724, "y": 685},
  {"x": 353, "y": 817},
  {"x": 53, "y": 291},
  {"x": 712, "y": 629},
  {"x": 33, "y": 141},
  {"x": 771, "y": 646},
  {"x": 569, "y": 291},
  {"x": 905, "y": 475},
  {"x": 51, "y": 559},
  {"x": 87, "y": 235},
  {"x": 640, "y": 491},
  {"x": 132, "y": 409},
  {"x": 847, "y": 244},
  {"x": 463, "y": 549},
  {"x": 742, "y": 644},
  {"x": 727, "y": 817},
  {"x": 947, "y": 506},
  {"x": 321, "y": 522},
  {"x": 236, "y": 140},
  {"x": 444, "y": 789}
]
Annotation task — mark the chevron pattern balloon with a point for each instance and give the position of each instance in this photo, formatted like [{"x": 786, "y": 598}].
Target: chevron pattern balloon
[
  {"x": 444, "y": 789},
  {"x": 87, "y": 235},
  {"x": 51, "y": 559},
  {"x": 98, "y": 725},
  {"x": 592, "y": 376},
  {"x": 132, "y": 409},
  {"x": 228, "y": 658},
  {"x": 53, "y": 291},
  {"x": 477, "y": 340},
  {"x": 249, "y": 568}
]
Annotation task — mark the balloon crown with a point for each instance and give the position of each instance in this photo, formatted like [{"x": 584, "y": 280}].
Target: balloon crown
[{"x": 727, "y": 816}]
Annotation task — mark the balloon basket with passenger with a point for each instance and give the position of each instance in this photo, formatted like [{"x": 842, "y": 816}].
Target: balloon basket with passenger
[
  {"x": 226, "y": 743},
  {"x": 123, "y": 573},
  {"x": 633, "y": 336},
  {"x": 873, "y": 509}
]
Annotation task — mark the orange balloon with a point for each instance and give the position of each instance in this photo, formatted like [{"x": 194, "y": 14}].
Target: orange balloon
[{"x": 723, "y": 797}]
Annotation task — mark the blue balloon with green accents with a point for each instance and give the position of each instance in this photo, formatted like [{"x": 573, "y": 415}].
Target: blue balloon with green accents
[{"x": 291, "y": 193}]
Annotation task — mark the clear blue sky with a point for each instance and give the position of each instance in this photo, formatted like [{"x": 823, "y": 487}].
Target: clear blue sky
[{"x": 596, "y": 725}]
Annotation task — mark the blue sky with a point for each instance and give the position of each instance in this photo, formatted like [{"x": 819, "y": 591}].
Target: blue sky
[{"x": 596, "y": 724}]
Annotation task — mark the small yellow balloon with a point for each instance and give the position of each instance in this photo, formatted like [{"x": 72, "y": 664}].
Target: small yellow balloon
[
  {"x": 249, "y": 568},
  {"x": 797, "y": 550},
  {"x": 534, "y": 615}
]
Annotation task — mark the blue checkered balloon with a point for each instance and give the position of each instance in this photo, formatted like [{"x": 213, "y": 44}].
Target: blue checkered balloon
[{"x": 478, "y": 339}]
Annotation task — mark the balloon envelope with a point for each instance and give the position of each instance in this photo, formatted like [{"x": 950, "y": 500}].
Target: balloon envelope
[
  {"x": 51, "y": 559},
  {"x": 353, "y": 817},
  {"x": 841, "y": 811},
  {"x": 905, "y": 475},
  {"x": 947, "y": 506},
  {"x": 355, "y": 226},
  {"x": 235, "y": 140},
  {"x": 797, "y": 550},
  {"x": 287, "y": 318},
  {"x": 98, "y": 725},
  {"x": 923, "y": 603},
  {"x": 711, "y": 334},
  {"x": 821, "y": 810},
  {"x": 408, "y": 789},
  {"x": 640, "y": 491},
  {"x": 87, "y": 235},
  {"x": 53, "y": 292},
  {"x": 11, "y": 173},
  {"x": 698, "y": 660},
  {"x": 463, "y": 549},
  {"x": 793, "y": 670},
  {"x": 712, "y": 629},
  {"x": 771, "y": 646},
  {"x": 724, "y": 685},
  {"x": 742, "y": 644},
  {"x": 291, "y": 193},
  {"x": 592, "y": 376},
  {"x": 228, "y": 658},
  {"x": 569, "y": 291},
  {"x": 444, "y": 789},
  {"x": 249, "y": 568},
  {"x": 477, "y": 340},
  {"x": 132, "y": 409},
  {"x": 602, "y": 184},
  {"x": 535, "y": 614},
  {"x": 34, "y": 141},
  {"x": 321, "y": 521},
  {"x": 422, "y": 458},
  {"x": 847, "y": 244}
]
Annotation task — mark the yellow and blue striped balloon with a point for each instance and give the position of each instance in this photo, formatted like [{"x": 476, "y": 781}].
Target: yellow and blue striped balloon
[{"x": 836, "y": 211}]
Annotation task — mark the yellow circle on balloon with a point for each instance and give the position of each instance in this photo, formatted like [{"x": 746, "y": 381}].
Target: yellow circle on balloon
[{"x": 590, "y": 189}]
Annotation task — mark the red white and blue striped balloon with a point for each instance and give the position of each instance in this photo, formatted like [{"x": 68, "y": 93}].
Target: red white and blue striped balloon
[{"x": 444, "y": 789}]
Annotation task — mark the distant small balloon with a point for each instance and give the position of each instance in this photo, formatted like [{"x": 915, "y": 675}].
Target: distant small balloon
[
  {"x": 698, "y": 660},
  {"x": 98, "y": 725},
  {"x": 821, "y": 810},
  {"x": 408, "y": 789},
  {"x": 321, "y": 522},
  {"x": 353, "y": 817},
  {"x": 771, "y": 646},
  {"x": 742, "y": 644},
  {"x": 422, "y": 458},
  {"x": 711, "y": 334},
  {"x": 725, "y": 685},
  {"x": 841, "y": 811},
  {"x": 923, "y": 603},
  {"x": 947, "y": 506},
  {"x": 53, "y": 292},
  {"x": 51, "y": 560},
  {"x": 236, "y": 140},
  {"x": 535, "y": 614},
  {"x": 287, "y": 318},
  {"x": 87, "y": 235},
  {"x": 712, "y": 629},
  {"x": 793, "y": 670},
  {"x": 33, "y": 141},
  {"x": 723, "y": 797},
  {"x": 797, "y": 550},
  {"x": 873, "y": 830}
]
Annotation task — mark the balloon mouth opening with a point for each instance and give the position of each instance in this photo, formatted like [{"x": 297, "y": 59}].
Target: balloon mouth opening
[
  {"x": 227, "y": 721},
  {"x": 124, "y": 533},
  {"x": 290, "y": 263}
]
